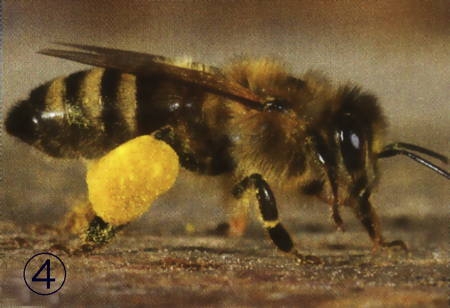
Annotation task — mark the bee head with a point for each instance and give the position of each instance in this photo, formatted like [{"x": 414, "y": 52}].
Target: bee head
[
  {"x": 358, "y": 130},
  {"x": 350, "y": 147},
  {"x": 347, "y": 148}
]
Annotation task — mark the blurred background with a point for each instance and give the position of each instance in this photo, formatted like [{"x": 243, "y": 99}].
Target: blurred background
[{"x": 398, "y": 50}]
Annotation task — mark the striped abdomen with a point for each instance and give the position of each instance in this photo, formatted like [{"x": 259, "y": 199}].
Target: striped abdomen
[{"x": 88, "y": 113}]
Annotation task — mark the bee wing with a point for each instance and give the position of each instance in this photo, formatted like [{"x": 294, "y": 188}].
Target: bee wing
[{"x": 209, "y": 78}]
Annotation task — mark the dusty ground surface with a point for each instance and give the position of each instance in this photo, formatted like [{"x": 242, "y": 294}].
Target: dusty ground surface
[{"x": 200, "y": 269}]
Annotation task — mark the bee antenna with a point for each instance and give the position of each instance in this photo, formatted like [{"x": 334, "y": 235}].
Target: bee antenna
[
  {"x": 420, "y": 149},
  {"x": 406, "y": 148}
]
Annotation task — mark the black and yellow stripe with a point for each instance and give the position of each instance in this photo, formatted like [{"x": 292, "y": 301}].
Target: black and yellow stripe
[{"x": 118, "y": 92}]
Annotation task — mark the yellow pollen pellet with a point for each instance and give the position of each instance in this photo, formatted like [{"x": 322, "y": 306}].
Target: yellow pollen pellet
[{"x": 124, "y": 183}]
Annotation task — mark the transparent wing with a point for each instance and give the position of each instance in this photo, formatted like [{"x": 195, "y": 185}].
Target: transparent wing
[{"x": 209, "y": 78}]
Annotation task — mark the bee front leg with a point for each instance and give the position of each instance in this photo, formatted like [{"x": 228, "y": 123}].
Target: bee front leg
[
  {"x": 369, "y": 218},
  {"x": 269, "y": 213}
]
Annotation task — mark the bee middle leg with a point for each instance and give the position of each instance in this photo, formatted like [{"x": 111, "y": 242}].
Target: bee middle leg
[
  {"x": 269, "y": 213},
  {"x": 336, "y": 216},
  {"x": 369, "y": 219}
]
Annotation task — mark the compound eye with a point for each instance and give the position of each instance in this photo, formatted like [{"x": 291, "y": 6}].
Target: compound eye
[{"x": 351, "y": 148}]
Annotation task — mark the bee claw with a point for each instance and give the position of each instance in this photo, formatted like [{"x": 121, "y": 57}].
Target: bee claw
[
  {"x": 391, "y": 244},
  {"x": 307, "y": 259},
  {"x": 60, "y": 247},
  {"x": 86, "y": 248},
  {"x": 396, "y": 243},
  {"x": 340, "y": 228}
]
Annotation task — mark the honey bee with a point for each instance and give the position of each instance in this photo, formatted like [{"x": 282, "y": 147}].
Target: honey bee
[{"x": 251, "y": 121}]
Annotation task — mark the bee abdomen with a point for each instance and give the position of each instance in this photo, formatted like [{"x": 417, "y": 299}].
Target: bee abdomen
[
  {"x": 88, "y": 113},
  {"x": 84, "y": 114}
]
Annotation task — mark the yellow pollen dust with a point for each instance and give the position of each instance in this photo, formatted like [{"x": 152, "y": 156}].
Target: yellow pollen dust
[{"x": 123, "y": 184}]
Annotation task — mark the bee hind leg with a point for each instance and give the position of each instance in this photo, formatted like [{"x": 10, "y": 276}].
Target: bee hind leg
[
  {"x": 99, "y": 233},
  {"x": 269, "y": 213},
  {"x": 369, "y": 219}
]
